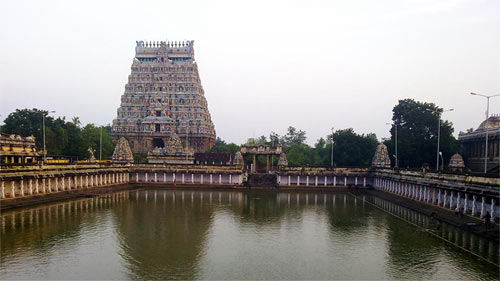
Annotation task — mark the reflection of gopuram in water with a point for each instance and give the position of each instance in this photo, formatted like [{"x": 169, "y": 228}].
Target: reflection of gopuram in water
[
  {"x": 35, "y": 227},
  {"x": 163, "y": 233}
]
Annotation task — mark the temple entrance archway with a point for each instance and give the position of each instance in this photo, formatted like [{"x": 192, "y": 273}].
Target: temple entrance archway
[
  {"x": 157, "y": 142},
  {"x": 257, "y": 150}
]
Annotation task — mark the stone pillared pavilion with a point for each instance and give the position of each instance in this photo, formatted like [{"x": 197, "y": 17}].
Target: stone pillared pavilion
[{"x": 163, "y": 96}]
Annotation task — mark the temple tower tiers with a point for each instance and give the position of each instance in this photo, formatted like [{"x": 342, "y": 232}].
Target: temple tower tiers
[{"x": 164, "y": 96}]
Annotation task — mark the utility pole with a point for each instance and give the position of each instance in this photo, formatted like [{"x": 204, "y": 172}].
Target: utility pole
[
  {"x": 396, "y": 144},
  {"x": 439, "y": 134}
]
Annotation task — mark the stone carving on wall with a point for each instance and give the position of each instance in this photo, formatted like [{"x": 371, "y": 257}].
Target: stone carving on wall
[
  {"x": 283, "y": 161},
  {"x": 381, "y": 158},
  {"x": 172, "y": 153},
  {"x": 174, "y": 144},
  {"x": 238, "y": 159},
  {"x": 122, "y": 152}
]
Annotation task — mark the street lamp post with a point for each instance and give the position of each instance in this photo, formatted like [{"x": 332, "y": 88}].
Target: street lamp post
[
  {"x": 331, "y": 159},
  {"x": 442, "y": 160},
  {"x": 486, "y": 127},
  {"x": 396, "y": 143},
  {"x": 439, "y": 136},
  {"x": 43, "y": 129},
  {"x": 100, "y": 145}
]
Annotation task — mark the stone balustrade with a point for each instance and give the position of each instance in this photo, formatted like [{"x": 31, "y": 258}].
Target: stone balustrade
[
  {"x": 467, "y": 194},
  {"x": 325, "y": 177},
  {"x": 470, "y": 195},
  {"x": 22, "y": 183}
]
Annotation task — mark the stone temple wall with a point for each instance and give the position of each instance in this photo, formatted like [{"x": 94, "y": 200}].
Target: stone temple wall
[{"x": 164, "y": 95}]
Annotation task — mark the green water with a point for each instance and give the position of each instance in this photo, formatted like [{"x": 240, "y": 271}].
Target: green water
[{"x": 162, "y": 234}]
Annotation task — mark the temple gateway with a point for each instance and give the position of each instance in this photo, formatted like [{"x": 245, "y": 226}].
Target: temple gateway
[{"x": 164, "y": 98}]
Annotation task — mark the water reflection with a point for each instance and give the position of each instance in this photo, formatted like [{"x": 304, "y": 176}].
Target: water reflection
[
  {"x": 163, "y": 233},
  {"x": 460, "y": 238},
  {"x": 166, "y": 234}
]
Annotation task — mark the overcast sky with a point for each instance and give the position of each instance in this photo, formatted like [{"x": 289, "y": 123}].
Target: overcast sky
[{"x": 264, "y": 65}]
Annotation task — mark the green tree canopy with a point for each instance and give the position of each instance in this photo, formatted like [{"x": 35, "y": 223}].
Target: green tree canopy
[
  {"x": 222, "y": 146},
  {"x": 62, "y": 137},
  {"x": 352, "y": 149},
  {"x": 293, "y": 137},
  {"x": 417, "y": 125}
]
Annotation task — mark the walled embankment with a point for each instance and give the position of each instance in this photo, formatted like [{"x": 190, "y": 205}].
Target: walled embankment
[
  {"x": 324, "y": 177},
  {"x": 21, "y": 182},
  {"x": 470, "y": 195},
  {"x": 20, "y": 186},
  {"x": 200, "y": 175}
]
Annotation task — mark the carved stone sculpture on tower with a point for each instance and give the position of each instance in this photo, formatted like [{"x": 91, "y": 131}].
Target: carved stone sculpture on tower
[
  {"x": 122, "y": 153},
  {"x": 381, "y": 158},
  {"x": 238, "y": 159},
  {"x": 172, "y": 153},
  {"x": 174, "y": 144},
  {"x": 456, "y": 163},
  {"x": 283, "y": 161},
  {"x": 91, "y": 155}
]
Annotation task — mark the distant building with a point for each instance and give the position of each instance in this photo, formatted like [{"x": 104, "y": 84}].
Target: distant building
[
  {"x": 15, "y": 149},
  {"x": 163, "y": 96},
  {"x": 473, "y": 145}
]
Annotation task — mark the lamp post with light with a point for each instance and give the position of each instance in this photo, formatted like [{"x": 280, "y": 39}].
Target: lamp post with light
[
  {"x": 486, "y": 127},
  {"x": 331, "y": 159}
]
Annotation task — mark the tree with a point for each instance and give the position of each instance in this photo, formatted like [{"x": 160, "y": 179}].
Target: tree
[
  {"x": 274, "y": 139},
  {"x": 323, "y": 152},
  {"x": 222, "y": 146},
  {"x": 76, "y": 121},
  {"x": 293, "y": 137},
  {"x": 26, "y": 122},
  {"x": 91, "y": 138},
  {"x": 62, "y": 137},
  {"x": 351, "y": 149},
  {"x": 300, "y": 155},
  {"x": 417, "y": 134}
]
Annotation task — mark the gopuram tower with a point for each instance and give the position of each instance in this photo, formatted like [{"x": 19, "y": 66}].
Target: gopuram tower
[{"x": 164, "y": 97}]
